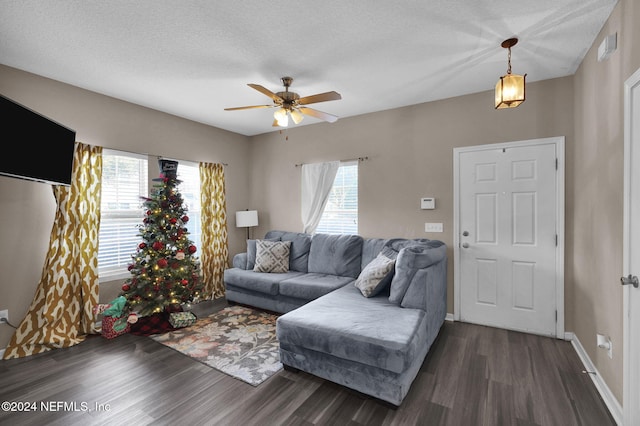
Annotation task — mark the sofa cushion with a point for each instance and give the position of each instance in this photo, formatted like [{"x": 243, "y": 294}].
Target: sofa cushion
[
  {"x": 410, "y": 268},
  {"x": 272, "y": 256},
  {"x": 371, "y": 247},
  {"x": 372, "y": 278},
  {"x": 349, "y": 326},
  {"x": 336, "y": 255},
  {"x": 312, "y": 285},
  {"x": 393, "y": 246},
  {"x": 257, "y": 281},
  {"x": 300, "y": 246}
]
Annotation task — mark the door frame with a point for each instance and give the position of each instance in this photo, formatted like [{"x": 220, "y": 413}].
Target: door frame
[
  {"x": 559, "y": 143},
  {"x": 631, "y": 391}
]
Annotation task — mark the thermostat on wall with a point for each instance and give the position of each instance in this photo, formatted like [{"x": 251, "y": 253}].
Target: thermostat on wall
[{"x": 428, "y": 203}]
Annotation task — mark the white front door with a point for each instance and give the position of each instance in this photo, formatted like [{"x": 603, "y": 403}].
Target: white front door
[
  {"x": 631, "y": 262},
  {"x": 507, "y": 242}
]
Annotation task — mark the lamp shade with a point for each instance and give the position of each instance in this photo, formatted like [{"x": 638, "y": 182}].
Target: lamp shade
[
  {"x": 296, "y": 116},
  {"x": 510, "y": 91},
  {"x": 281, "y": 117},
  {"x": 246, "y": 218}
]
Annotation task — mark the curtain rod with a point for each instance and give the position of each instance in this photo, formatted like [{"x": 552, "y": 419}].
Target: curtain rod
[
  {"x": 154, "y": 155},
  {"x": 359, "y": 159},
  {"x": 190, "y": 161}
]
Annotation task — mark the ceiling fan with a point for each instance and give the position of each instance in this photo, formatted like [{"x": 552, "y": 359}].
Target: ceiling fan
[{"x": 291, "y": 104}]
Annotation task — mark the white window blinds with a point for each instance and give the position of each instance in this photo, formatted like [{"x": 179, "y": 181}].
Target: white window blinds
[
  {"x": 124, "y": 182},
  {"x": 340, "y": 215}
]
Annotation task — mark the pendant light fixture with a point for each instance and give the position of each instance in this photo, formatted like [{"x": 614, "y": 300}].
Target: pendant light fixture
[{"x": 510, "y": 87}]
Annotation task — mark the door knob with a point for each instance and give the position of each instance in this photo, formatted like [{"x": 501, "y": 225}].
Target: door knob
[
  {"x": 465, "y": 245},
  {"x": 631, "y": 279}
]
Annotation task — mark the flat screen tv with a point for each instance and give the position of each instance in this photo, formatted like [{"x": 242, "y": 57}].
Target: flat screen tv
[{"x": 34, "y": 147}]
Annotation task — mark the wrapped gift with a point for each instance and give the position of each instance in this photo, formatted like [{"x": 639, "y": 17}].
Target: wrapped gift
[
  {"x": 100, "y": 308},
  {"x": 182, "y": 319},
  {"x": 114, "y": 326},
  {"x": 152, "y": 324}
]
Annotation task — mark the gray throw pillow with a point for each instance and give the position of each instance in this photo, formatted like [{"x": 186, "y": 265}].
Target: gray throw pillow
[
  {"x": 272, "y": 256},
  {"x": 372, "y": 278}
]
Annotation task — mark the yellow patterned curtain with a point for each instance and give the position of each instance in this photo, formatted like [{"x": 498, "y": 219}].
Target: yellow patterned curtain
[
  {"x": 61, "y": 314},
  {"x": 215, "y": 248}
]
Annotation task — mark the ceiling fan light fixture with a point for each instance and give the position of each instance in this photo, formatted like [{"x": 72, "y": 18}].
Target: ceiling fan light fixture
[
  {"x": 281, "y": 117},
  {"x": 291, "y": 104},
  {"x": 510, "y": 88},
  {"x": 296, "y": 116}
]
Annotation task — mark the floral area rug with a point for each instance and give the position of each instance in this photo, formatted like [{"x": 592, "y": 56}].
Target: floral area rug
[{"x": 238, "y": 341}]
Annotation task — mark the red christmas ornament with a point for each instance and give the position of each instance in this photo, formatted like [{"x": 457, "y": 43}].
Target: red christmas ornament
[
  {"x": 126, "y": 287},
  {"x": 184, "y": 282},
  {"x": 142, "y": 246},
  {"x": 130, "y": 267},
  {"x": 158, "y": 245},
  {"x": 192, "y": 249},
  {"x": 175, "y": 265},
  {"x": 162, "y": 263},
  {"x": 173, "y": 220},
  {"x": 156, "y": 288},
  {"x": 185, "y": 218},
  {"x": 148, "y": 212}
]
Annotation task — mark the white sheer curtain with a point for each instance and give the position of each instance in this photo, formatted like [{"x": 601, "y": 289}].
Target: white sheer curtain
[{"x": 317, "y": 180}]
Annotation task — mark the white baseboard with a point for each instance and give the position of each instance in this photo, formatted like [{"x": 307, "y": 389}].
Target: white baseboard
[
  {"x": 609, "y": 399},
  {"x": 449, "y": 317}
]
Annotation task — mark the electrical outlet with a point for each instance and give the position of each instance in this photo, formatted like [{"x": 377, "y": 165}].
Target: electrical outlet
[
  {"x": 605, "y": 342},
  {"x": 4, "y": 316}
]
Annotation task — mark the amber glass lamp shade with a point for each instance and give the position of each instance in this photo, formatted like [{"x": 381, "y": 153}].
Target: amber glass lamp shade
[{"x": 510, "y": 91}]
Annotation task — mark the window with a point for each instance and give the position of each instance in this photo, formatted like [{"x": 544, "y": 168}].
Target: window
[
  {"x": 340, "y": 215},
  {"x": 124, "y": 181},
  {"x": 189, "y": 174}
]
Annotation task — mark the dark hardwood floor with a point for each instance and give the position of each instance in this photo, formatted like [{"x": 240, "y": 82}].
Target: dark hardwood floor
[{"x": 473, "y": 375}]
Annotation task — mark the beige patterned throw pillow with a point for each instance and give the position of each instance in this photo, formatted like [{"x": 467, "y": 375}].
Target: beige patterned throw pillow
[
  {"x": 371, "y": 277},
  {"x": 272, "y": 256}
]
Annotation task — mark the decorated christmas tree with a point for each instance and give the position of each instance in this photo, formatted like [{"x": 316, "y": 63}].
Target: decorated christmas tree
[{"x": 165, "y": 271}]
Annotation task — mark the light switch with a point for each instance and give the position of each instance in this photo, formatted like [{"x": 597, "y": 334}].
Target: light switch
[
  {"x": 428, "y": 203},
  {"x": 433, "y": 227}
]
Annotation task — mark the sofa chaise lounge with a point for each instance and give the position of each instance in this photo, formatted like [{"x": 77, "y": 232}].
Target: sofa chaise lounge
[{"x": 372, "y": 340}]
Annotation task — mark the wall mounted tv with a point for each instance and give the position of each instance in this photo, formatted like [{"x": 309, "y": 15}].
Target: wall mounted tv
[{"x": 33, "y": 146}]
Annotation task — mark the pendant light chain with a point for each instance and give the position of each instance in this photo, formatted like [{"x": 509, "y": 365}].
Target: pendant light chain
[{"x": 509, "y": 61}]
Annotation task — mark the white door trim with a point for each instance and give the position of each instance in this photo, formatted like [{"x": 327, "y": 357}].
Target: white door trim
[
  {"x": 559, "y": 142},
  {"x": 631, "y": 389}
]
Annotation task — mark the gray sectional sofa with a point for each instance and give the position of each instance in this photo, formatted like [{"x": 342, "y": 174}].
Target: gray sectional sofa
[{"x": 373, "y": 344}]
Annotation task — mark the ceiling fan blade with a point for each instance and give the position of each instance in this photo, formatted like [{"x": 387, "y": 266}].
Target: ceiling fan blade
[
  {"x": 267, "y": 92},
  {"x": 320, "y": 97},
  {"x": 319, "y": 114},
  {"x": 248, "y": 107}
]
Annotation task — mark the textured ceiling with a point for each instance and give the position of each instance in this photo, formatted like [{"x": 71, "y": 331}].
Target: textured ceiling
[{"x": 195, "y": 58}]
